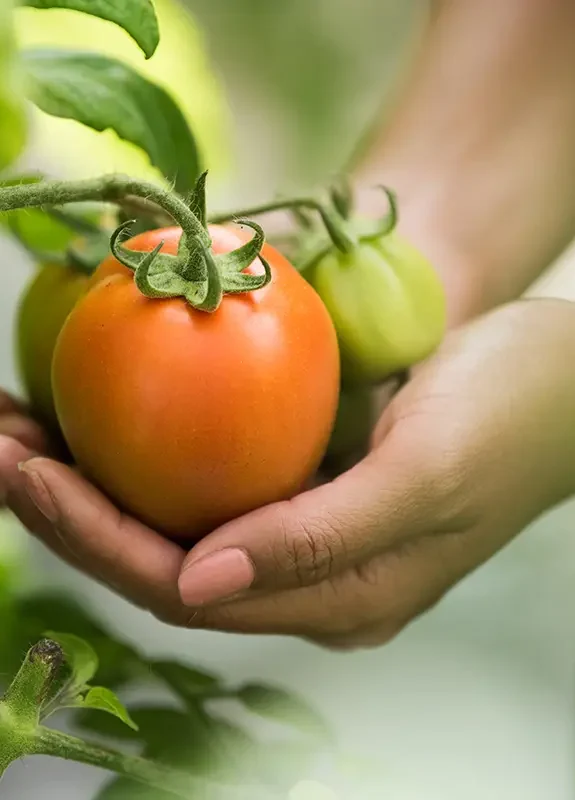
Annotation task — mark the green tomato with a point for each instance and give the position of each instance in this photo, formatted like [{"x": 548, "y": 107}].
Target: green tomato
[
  {"x": 387, "y": 304},
  {"x": 13, "y": 121},
  {"x": 353, "y": 424},
  {"x": 43, "y": 309}
]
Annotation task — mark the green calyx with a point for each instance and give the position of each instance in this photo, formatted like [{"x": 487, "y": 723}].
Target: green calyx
[{"x": 194, "y": 274}]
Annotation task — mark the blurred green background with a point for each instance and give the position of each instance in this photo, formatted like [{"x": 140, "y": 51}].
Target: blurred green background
[
  {"x": 476, "y": 699},
  {"x": 278, "y": 93}
]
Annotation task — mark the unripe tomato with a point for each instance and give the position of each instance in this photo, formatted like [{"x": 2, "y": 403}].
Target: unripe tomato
[
  {"x": 387, "y": 304},
  {"x": 187, "y": 418},
  {"x": 353, "y": 423},
  {"x": 43, "y": 309}
]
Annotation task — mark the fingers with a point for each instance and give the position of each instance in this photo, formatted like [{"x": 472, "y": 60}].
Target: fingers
[
  {"x": 10, "y": 404},
  {"x": 309, "y": 539},
  {"x": 16, "y": 424},
  {"x": 24, "y": 430},
  {"x": 12, "y": 452},
  {"x": 362, "y": 607},
  {"x": 81, "y": 525}
]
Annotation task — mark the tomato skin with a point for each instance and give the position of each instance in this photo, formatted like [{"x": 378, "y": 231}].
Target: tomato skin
[
  {"x": 387, "y": 304},
  {"x": 44, "y": 306},
  {"x": 188, "y": 419}
]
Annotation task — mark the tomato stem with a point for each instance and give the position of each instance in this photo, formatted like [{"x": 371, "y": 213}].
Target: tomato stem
[
  {"x": 339, "y": 232},
  {"x": 109, "y": 188},
  {"x": 389, "y": 222},
  {"x": 342, "y": 196},
  {"x": 181, "y": 784},
  {"x": 22, "y": 735},
  {"x": 194, "y": 273},
  {"x": 31, "y": 686}
]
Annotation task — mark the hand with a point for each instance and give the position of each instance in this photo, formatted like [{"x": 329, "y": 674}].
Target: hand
[
  {"x": 477, "y": 445},
  {"x": 16, "y": 424}
]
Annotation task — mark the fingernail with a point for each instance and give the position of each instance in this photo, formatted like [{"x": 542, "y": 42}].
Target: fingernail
[
  {"x": 38, "y": 492},
  {"x": 216, "y": 577}
]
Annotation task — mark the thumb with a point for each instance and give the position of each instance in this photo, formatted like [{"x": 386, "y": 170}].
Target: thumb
[{"x": 306, "y": 540}]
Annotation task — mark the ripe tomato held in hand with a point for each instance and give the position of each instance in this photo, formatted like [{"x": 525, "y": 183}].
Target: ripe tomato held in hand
[{"x": 186, "y": 418}]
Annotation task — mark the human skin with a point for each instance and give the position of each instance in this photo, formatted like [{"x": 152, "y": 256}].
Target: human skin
[{"x": 481, "y": 440}]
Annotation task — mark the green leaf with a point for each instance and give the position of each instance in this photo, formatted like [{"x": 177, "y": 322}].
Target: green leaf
[
  {"x": 80, "y": 656},
  {"x": 50, "y": 230},
  {"x": 33, "y": 227},
  {"x": 281, "y": 706},
  {"x": 125, "y": 789},
  {"x": 136, "y": 17},
  {"x": 162, "y": 730},
  {"x": 107, "y": 726},
  {"x": 37, "y": 231},
  {"x": 17, "y": 180},
  {"x": 103, "y": 93},
  {"x": 102, "y": 699},
  {"x": 119, "y": 662},
  {"x": 186, "y": 682},
  {"x": 45, "y": 610},
  {"x": 180, "y": 739}
]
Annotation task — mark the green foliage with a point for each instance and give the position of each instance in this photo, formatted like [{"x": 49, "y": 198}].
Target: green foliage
[
  {"x": 187, "y": 682},
  {"x": 97, "y": 91},
  {"x": 13, "y": 124},
  {"x": 192, "y": 736},
  {"x": 125, "y": 789},
  {"x": 137, "y": 17},
  {"x": 48, "y": 233},
  {"x": 103, "y": 93},
  {"x": 284, "y": 707},
  {"x": 102, "y": 699}
]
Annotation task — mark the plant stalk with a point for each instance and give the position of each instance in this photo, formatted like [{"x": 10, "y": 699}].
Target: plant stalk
[
  {"x": 61, "y": 745},
  {"x": 336, "y": 226},
  {"x": 110, "y": 188},
  {"x": 24, "y": 699}
]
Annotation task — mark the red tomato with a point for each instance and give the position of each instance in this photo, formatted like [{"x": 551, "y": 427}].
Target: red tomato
[{"x": 188, "y": 419}]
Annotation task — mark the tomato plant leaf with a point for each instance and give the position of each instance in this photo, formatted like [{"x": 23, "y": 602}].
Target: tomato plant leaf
[
  {"x": 136, "y": 17},
  {"x": 125, "y": 789},
  {"x": 46, "y": 609},
  {"x": 283, "y": 707},
  {"x": 186, "y": 682},
  {"x": 118, "y": 662},
  {"x": 102, "y": 699},
  {"x": 164, "y": 731},
  {"x": 17, "y": 180},
  {"x": 90, "y": 720},
  {"x": 103, "y": 93},
  {"x": 79, "y": 655}
]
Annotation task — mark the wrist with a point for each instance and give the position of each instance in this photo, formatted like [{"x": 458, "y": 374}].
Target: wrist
[
  {"x": 534, "y": 341},
  {"x": 479, "y": 148}
]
